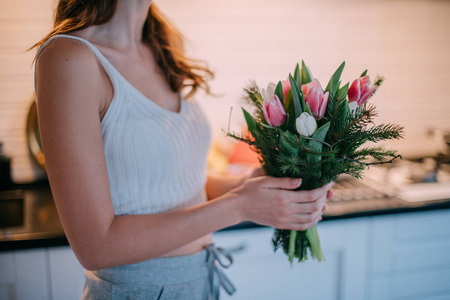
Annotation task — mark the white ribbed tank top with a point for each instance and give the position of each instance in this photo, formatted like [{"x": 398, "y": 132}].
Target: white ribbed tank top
[{"x": 156, "y": 158}]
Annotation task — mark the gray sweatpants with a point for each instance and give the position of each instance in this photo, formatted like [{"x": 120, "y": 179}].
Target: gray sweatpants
[{"x": 175, "y": 278}]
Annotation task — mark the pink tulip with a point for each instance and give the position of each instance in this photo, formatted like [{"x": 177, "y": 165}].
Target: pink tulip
[
  {"x": 273, "y": 109},
  {"x": 286, "y": 87},
  {"x": 316, "y": 99},
  {"x": 360, "y": 90}
]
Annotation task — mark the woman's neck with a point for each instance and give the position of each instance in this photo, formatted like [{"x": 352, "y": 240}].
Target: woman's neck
[{"x": 124, "y": 30}]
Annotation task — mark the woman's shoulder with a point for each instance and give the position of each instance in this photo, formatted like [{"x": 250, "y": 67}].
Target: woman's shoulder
[
  {"x": 69, "y": 68},
  {"x": 67, "y": 51}
]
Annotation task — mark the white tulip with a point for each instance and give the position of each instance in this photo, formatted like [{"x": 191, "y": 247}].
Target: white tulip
[
  {"x": 269, "y": 93},
  {"x": 306, "y": 124},
  {"x": 353, "y": 105}
]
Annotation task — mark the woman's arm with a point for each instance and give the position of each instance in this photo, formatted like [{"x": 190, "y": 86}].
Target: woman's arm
[
  {"x": 70, "y": 90},
  {"x": 218, "y": 184}
]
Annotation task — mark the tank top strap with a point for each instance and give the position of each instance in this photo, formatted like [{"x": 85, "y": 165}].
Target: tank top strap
[{"x": 108, "y": 67}]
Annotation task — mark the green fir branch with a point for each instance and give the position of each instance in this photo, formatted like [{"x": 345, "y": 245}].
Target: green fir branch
[
  {"x": 241, "y": 138},
  {"x": 370, "y": 164},
  {"x": 378, "y": 81},
  {"x": 375, "y": 152},
  {"x": 374, "y": 134},
  {"x": 360, "y": 120}
]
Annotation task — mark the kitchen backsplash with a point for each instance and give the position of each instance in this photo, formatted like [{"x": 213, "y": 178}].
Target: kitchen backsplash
[{"x": 406, "y": 41}]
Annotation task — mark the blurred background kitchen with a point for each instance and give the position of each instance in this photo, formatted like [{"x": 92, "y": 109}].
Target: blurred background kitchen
[{"x": 386, "y": 237}]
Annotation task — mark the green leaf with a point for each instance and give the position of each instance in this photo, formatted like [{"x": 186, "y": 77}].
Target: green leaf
[
  {"x": 330, "y": 87},
  {"x": 288, "y": 100},
  {"x": 297, "y": 75},
  {"x": 320, "y": 133},
  {"x": 317, "y": 146},
  {"x": 308, "y": 109},
  {"x": 342, "y": 116},
  {"x": 364, "y": 73},
  {"x": 302, "y": 99},
  {"x": 342, "y": 92},
  {"x": 251, "y": 124},
  {"x": 306, "y": 77},
  {"x": 268, "y": 126},
  {"x": 333, "y": 84},
  {"x": 258, "y": 97},
  {"x": 346, "y": 108},
  {"x": 289, "y": 123},
  {"x": 286, "y": 140},
  {"x": 295, "y": 97},
  {"x": 279, "y": 91}
]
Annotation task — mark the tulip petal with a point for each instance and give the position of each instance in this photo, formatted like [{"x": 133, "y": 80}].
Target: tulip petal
[
  {"x": 367, "y": 95},
  {"x": 271, "y": 90},
  {"x": 304, "y": 89},
  {"x": 317, "y": 84},
  {"x": 311, "y": 125},
  {"x": 263, "y": 94},
  {"x": 306, "y": 124},
  {"x": 265, "y": 112},
  {"x": 280, "y": 105},
  {"x": 286, "y": 87},
  {"x": 364, "y": 89},
  {"x": 274, "y": 112},
  {"x": 314, "y": 101},
  {"x": 354, "y": 92},
  {"x": 300, "y": 126},
  {"x": 365, "y": 80},
  {"x": 352, "y": 105},
  {"x": 323, "y": 106}
]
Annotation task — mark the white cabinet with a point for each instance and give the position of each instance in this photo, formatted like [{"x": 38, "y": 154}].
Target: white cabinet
[
  {"x": 66, "y": 274},
  {"x": 259, "y": 273},
  {"x": 40, "y": 274},
  {"x": 23, "y": 275},
  {"x": 409, "y": 256},
  {"x": 7, "y": 275},
  {"x": 393, "y": 257}
]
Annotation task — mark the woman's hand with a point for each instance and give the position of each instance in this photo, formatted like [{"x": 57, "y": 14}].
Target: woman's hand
[
  {"x": 271, "y": 201},
  {"x": 257, "y": 172}
]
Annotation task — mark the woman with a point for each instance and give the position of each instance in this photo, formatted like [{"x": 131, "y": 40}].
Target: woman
[{"x": 128, "y": 174}]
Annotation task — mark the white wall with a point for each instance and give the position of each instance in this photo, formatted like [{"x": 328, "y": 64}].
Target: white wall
[
  {"x": 406, "y": 41},
  {"x": 22, "y": 23}
]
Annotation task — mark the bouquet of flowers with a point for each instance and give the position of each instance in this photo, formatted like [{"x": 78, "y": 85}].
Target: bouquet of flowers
[{"x": 300, "y": 130}]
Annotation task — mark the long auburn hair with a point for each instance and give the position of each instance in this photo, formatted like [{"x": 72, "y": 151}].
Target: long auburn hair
[{"x": 164, "y": 39}]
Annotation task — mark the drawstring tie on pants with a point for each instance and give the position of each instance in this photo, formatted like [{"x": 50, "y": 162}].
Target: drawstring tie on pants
[{"x": 216, "y": 256}]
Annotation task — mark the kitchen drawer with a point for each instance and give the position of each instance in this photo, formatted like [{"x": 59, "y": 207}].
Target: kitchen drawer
[
  {"x": 7, "y": 269},
  {"x": 416, "y": 227},
  {"x": 23, "y": 275},
  {"x": 415, "y": 285},
  {"x": 66, "y": 274},
  {"x": 32, "y": 281},
  {"x": 259, "y": 273},
  {"x": 410, "y": 286},
  {"x": 410, "y": 241},
  {"x": 422, "y": 256}
]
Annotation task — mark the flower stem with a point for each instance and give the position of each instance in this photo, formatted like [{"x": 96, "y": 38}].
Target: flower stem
[
  {"x": 292, "y": 240},
  {"x": 314, "y": 243}
]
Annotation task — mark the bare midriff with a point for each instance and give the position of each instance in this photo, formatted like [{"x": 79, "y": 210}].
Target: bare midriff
[{"x": 191, "y": 248}]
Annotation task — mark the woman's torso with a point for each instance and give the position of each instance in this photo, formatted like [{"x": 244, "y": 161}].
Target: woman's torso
[{"x": 155, "y": 149}]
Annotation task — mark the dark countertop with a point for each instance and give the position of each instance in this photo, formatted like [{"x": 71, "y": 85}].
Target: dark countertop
[{"x": 42, "y": 228}]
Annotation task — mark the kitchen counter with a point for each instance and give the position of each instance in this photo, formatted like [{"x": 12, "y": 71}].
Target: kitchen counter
[{"x": 42, "y": 228}]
